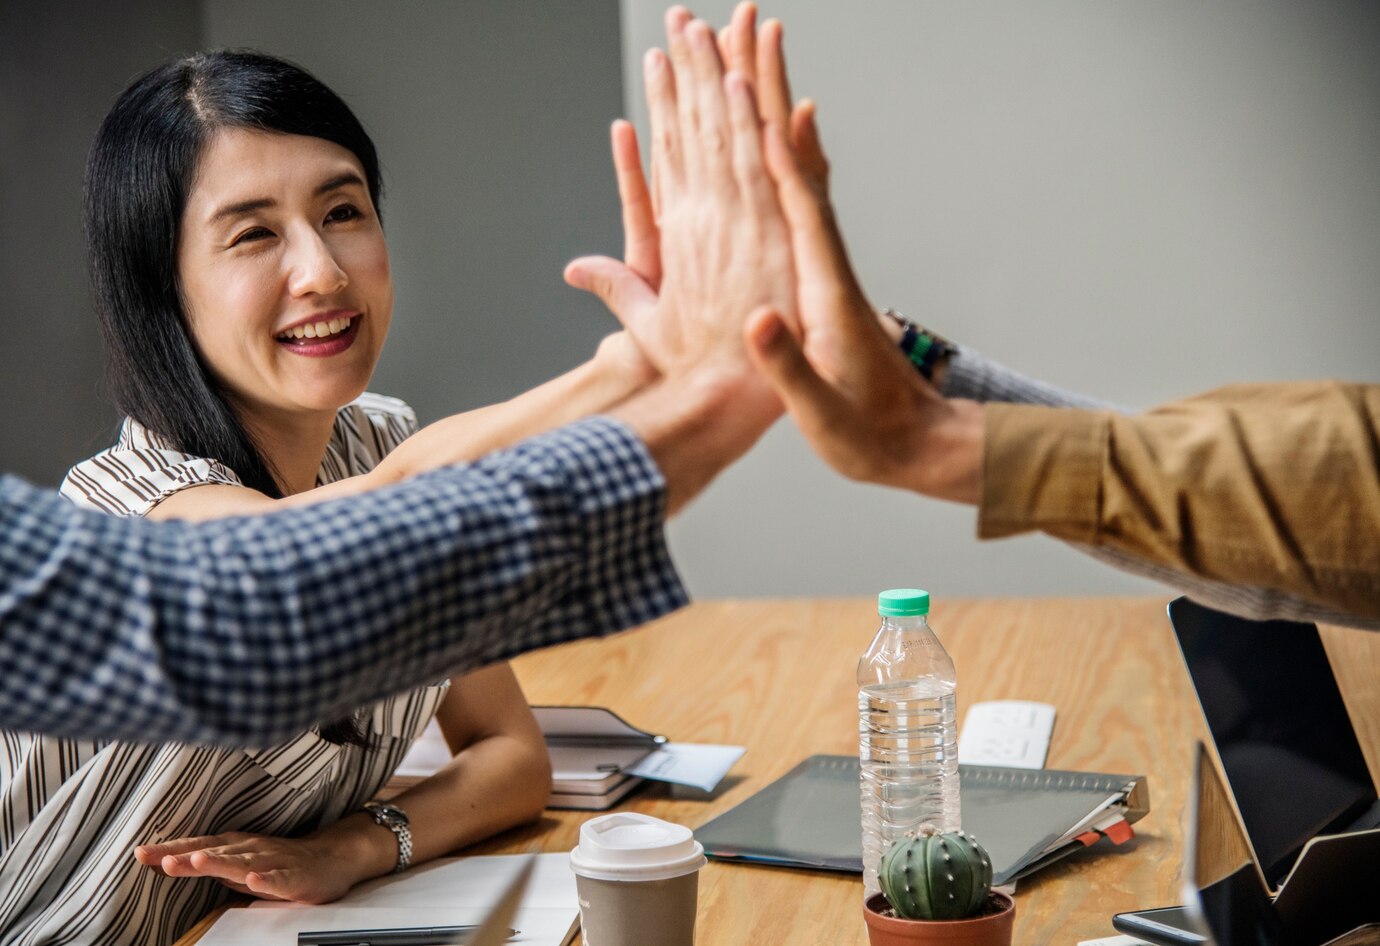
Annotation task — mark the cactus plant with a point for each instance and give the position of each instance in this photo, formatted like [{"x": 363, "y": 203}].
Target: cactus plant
[{"x": 927, "y": 875}]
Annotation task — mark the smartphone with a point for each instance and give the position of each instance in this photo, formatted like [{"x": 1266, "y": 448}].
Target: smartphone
[{"x": 1167, "y": 926}]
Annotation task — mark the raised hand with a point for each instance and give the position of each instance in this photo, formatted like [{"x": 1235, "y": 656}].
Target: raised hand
[
  {"x": 856, "y": 398},
  {"x": 723, "y": 238},
  {"x": 702, "y": 144},
  {"x": 304, "y": 870}
]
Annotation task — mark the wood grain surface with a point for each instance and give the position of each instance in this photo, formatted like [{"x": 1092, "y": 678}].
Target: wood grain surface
[{"x": 777, "y": 676}]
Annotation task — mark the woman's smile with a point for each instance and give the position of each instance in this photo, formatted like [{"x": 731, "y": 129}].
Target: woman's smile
[{"x": 328, "y": 334}]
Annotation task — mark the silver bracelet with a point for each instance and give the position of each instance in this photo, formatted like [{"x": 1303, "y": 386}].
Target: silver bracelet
[{"x": 394, "y": 819}]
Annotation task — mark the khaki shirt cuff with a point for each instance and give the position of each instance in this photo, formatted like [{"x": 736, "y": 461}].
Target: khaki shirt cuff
[{"x": 1042, "y": 470}]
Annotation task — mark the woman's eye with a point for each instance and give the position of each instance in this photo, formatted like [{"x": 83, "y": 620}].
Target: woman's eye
[
  {"x": 251, "y": 235},
  {"x": 342, "y": 213}
]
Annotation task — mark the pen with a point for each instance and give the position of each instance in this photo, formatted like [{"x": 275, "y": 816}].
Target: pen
[{"x": 408, "y": 936}]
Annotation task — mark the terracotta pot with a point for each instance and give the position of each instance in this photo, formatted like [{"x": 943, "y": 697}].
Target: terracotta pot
[{"x": 990, "y": 930}]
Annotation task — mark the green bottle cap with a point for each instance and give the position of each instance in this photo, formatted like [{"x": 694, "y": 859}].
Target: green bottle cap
[{"x": 903, "y": 603}]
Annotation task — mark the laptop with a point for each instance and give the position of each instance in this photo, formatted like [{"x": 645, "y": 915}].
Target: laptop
[
  {"x": 1225, "y": 898},
  {"x": 1293, "y": 765},
  {"x": 1288, "y": 749},
  {"x": 1329, "y": 898}
]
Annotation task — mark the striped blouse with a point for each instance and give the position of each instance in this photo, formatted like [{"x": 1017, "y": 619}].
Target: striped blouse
[{"x": 72, "y": 811}]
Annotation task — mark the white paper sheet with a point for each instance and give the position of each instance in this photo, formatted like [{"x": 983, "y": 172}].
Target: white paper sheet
[
  {"x": 445, "y": 892},
  {"x": 697, "y": 764}
]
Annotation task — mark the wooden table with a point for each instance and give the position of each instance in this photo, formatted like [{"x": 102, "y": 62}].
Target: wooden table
[{"x": 778, "y": 678}]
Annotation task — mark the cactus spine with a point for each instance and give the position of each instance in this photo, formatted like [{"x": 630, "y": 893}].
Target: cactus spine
[{"x": 933, "y": 876}]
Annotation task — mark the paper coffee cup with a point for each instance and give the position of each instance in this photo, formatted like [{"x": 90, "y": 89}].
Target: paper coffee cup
[{"x": 637, "y": 878}]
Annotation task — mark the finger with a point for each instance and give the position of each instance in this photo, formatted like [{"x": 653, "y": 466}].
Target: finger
[
  {"x": 773, "y": 89},
  {"x": 641, "y": 237},
  {"x": 667, "y": 168},
  {"x": 206, "y": 864},
  {"x": 682, "y": 74},
  {"x": 739, "y": 50},
  {"x": 272, "y": 884},
  {"x": 712, "y": 111},
  {"x": 618, "y": 287},
  {"x": 778, "y": 356},
  {"x": 151, "y": 854},
  {"x": 815, "y": 240},
  {"x": 809, "y": 153},
  {"x": 753, "y": 181}
]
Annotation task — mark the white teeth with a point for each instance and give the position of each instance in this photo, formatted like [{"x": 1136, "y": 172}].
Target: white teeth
[{"x": 317, "y": 329}]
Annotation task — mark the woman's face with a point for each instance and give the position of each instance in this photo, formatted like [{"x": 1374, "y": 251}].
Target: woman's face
[{"x": 284, "y": 271}]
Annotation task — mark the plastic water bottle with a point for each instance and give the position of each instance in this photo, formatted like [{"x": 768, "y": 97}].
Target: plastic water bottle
[{"x": 907, "y": 728}]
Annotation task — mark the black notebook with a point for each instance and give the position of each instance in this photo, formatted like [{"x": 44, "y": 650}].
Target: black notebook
[{"x": 1026, "y": 818}]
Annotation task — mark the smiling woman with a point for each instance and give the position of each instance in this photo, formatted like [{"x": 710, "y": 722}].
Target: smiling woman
[
  {"x": 158, "y": 158},
  {"x": 243, "y": 286}
]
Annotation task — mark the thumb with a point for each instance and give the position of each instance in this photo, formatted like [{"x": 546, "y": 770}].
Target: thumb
[
  {"x": 778, "y": 356},
  {"x": 617, "y": 286},
  {"x": 277, "y": 884}
]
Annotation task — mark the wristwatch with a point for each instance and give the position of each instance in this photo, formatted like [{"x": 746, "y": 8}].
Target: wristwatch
[{"x": 394, "y": 819}]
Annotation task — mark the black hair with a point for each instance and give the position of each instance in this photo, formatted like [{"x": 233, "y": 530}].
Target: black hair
[{"x": 138, "y": 176}]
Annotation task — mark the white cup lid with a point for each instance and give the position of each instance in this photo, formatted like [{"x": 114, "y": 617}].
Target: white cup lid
[{"x": 631, "y": 846}]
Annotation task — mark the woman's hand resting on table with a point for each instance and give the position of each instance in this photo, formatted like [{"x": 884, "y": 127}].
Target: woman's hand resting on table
[{"x": 305, "y": 870}]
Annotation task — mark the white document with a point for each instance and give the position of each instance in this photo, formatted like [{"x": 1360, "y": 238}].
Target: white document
[
  {"x": 445, "y": 892},
  {"x": 699, "y": 765},
  {"x": 1013, "y": 733}
]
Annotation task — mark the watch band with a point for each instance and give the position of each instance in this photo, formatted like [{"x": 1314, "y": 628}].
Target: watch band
[{"x": 394, "y": 819}]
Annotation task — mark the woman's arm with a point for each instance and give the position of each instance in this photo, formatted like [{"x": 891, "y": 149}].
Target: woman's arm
[
  {"x": 500, "y": 777},
  {"x": 614, "y": 374},
  {"x": 617, "y": 371}
]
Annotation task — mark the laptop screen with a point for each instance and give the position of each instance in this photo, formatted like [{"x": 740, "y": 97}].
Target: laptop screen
[{"x": 1280, "y": 727}]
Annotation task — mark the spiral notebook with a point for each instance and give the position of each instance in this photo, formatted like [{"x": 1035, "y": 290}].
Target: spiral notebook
[{"x": 1025, "y": 818}]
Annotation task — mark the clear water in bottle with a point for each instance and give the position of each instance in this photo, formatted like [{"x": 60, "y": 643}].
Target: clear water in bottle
[{"x": 908, "y": 730}]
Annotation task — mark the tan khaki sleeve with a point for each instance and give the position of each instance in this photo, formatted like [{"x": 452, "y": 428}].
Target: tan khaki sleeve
[
  {"x": 1042, "y": 470},
  {"x": 1272, "y": 486}
]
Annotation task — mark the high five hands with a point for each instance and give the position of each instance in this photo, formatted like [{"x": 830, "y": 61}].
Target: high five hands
[
  {"x": 707, "y": 244},
  {"x": 739, "y": 186}
]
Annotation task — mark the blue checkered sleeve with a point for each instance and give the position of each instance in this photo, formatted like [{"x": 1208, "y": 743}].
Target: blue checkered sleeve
[{"x": 245, "y": 630}]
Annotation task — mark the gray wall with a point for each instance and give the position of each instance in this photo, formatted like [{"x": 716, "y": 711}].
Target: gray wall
[
  {"x": 56, "y": 83},
  {"x": 1135, "y": 200}
]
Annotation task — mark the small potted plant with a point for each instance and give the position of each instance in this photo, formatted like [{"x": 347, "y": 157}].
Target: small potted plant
[{"x": 937, "y": 888}]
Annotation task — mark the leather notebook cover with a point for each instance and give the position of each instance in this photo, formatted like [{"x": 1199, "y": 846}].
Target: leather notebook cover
[{"x": 810, "y": 816}]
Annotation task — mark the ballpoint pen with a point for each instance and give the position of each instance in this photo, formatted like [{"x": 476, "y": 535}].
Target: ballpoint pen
[{"x": 406, "y": 936}]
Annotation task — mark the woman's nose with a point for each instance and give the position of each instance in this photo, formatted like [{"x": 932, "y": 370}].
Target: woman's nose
[{"x": 313, "y": 267}]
